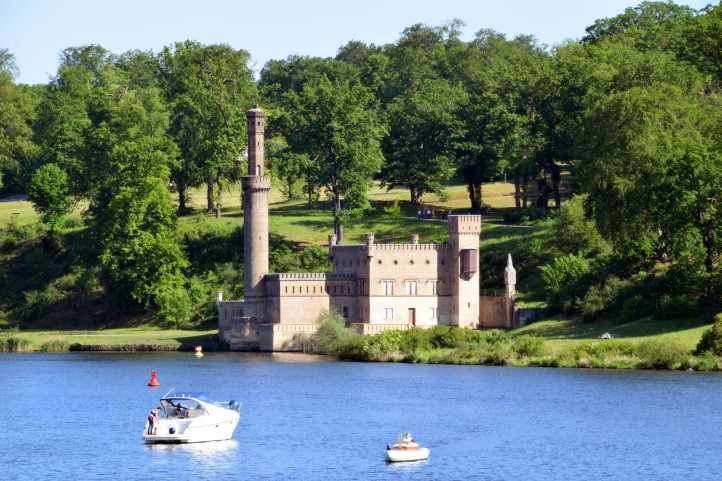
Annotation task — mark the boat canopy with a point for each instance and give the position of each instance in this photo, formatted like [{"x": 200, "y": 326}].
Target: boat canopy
[{"x": 173, "y": 394}]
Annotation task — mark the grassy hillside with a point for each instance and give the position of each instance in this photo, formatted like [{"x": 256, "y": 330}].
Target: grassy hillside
[{"x": 52, "y": 293}]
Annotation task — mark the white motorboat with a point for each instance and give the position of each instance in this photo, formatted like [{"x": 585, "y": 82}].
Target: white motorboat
[
  {"x": 406, "y": 449},
  {"x": 191, "y": 418}
]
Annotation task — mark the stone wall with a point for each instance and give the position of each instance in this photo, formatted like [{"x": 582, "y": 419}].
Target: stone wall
[
  {"x": 287, "y": 337},
  {"x": 495, "y": 312}
]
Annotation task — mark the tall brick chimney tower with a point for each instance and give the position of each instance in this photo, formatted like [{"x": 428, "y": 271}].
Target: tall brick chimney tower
[{"x": 255, "y": 218}]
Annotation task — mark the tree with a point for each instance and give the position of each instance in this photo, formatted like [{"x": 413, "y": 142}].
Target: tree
[
  {"x": 131, "y": 214},
  {"x": 332, "y": 123},
  {"x": 49, "y": 191},
  {"x": 209, "y": 89},
  {"x": 424, "y": 128},
  {"x": 107, "y": 130},
  {"x": 653, "y": 170},
  {"x": 17, "y": 114},
  {"x": 650, "y": 25},
  {"x": 702, "y": 44},
  {"x": 64, "y": 122},
  {"x": 501, "y": 121}
]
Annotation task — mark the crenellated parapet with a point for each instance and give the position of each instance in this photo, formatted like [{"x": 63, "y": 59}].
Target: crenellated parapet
[
  {"x": 310, "y": 276},
  {"x": 464, "y": 224},
  {"x": 411, "y": 247},
  {"x": 252, "y": 183}
]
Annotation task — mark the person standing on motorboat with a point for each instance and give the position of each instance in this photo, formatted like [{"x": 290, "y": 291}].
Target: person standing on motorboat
[{"x": 152, "y": 416}]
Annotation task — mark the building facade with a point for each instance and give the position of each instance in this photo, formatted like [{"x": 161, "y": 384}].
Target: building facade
[{"x": 375, "y": 287}]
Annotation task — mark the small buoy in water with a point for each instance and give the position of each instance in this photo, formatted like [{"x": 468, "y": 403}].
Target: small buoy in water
[
  {"x": 154, "y": 382},
  {"x": 199, "y": 351}
]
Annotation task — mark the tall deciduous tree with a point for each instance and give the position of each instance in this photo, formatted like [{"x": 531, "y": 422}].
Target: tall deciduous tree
[
  {"x": 424, "y": 126},
  {"x": 653, "y": 171},
  {"x": 17, "y": 114},
  {"x": 333, "y": 124},
  {"x": 209, "y": 89}
]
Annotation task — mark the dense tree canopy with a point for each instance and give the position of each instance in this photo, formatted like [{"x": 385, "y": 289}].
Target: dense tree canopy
[
  {"x": 332, "y": 123},
  {"x": 208, "y": 89},
  {"x": 629, "y": 116}
]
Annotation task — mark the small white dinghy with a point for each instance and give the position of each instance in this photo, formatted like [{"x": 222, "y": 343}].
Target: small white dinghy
[
  {"x": 191, "y": 418},
  {"x": 406, "y": 449}
]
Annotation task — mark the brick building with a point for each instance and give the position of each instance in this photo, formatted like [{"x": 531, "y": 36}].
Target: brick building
[{"x": 375, "y": 287}]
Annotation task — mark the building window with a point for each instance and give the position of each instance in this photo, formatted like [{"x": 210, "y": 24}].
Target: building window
[
  {"x": 388, "y": 313},
  {"x": 410, "y": 288},
  {"x": 387, "y": 287},
  {"x": 433, "y": 287},
  {"x": 433, "y": 313},
  {"x": 345, "y": 312}
]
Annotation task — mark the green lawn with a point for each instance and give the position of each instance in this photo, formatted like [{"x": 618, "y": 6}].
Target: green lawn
[
  {"x": 16, "y": 210},
  {"x": 559, "y": 333},
  {"x": 122, "y": 336}
]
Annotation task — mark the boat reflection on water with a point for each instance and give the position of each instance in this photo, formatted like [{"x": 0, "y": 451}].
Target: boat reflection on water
[
  {"x": 218, "y": 459},
  {"x": 198, "y": 450},
  {"x": 408, "y": 466}
]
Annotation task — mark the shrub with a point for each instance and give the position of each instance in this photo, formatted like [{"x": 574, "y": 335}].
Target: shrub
[
  {"x": 173, "y": 304},
  {"x": 415, "y": 339},
  {"x": 521, "y": 215},
  {"x": 38, "y": 303},
  {"x": 661, "y": 355},
  {"x": 676, "y": 306},
  {"x": 314, "y": 259},
  {"x": 72, "y": 222},
  {"x": 383, "y": 343},
  {"x": 712, "y": 338},
  {"x": 394, "y": 209},
  {"x": 633, "y": 308},
  {"x": 707, "y": 361},
  {"x": 600, "y": 297},
  {"x": 55, "y": 345},
  {"x": 561, "y": 276},
  {"x": 446, "y": 337},
  {"x": 333, "y": 337},
  {"x": 499, "y": 354},
  {"x": 576, "y": 232},
  {"x": 528, "y": 346},
  {"x": 49, "y": 191}
]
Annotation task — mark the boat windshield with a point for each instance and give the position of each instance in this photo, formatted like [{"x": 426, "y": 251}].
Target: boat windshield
[{"x": 181, "y": 408}]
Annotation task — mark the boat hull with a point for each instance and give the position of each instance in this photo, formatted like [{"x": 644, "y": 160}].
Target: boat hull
[
  {"x": 406, "y": 455},
  {"x": 190, "y": 432}
]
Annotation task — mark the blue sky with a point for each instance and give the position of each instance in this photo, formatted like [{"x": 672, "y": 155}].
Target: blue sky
[{"x": 37, "y": 30}]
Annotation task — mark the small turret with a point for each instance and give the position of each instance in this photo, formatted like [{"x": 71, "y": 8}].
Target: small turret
[
  {"x": 370, "y": 244},
  {"x": 510, "y": 277},
  {"x": 331, "y": 244}
]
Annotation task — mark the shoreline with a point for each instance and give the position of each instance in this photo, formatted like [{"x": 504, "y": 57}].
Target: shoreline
[{"x": 692, "y": 364}]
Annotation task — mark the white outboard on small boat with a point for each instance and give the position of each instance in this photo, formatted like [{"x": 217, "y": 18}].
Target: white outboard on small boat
[
  {"x": 191, "y": 418},
  {"x": 406, "y": 449}
]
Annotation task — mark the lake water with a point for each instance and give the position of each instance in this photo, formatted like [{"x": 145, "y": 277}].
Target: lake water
[{"x": 80, "y": 416}]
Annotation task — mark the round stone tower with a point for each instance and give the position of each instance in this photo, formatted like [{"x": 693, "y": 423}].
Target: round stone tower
[{"x": 255, "y": 218}]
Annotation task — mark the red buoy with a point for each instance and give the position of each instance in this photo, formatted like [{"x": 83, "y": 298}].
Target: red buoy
[{"x": 154, "y": 382}]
